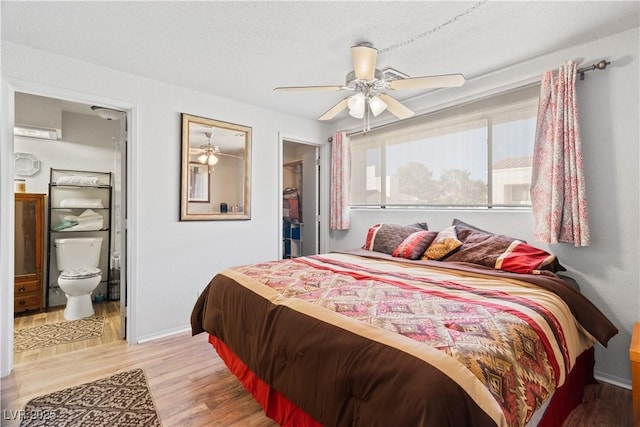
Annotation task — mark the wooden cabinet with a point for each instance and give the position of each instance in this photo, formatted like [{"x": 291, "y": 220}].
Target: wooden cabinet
[{"x": 29, "y": 252}]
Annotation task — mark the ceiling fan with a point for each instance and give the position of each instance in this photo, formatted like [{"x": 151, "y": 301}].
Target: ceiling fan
[{"x": 370, "y": 85}]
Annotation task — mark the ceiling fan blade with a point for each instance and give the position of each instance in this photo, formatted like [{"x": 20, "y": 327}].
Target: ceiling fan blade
[
  {"x": 445, "y": 80},
  {"x": 364, "y": 61},
  {"x": 309, "y": 88},
  {"x": 395, "y": 107},
  {"x": 333, "y": 111},
  {"x": 230, "y": 155}
]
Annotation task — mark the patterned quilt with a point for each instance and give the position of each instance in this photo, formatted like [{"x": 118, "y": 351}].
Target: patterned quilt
[{"x": 507, "y": 343}]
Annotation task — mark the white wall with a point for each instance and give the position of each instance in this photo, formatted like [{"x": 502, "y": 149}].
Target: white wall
[
  {"x": 172, "y": 261},
  {"x": 607, "y": 270}
]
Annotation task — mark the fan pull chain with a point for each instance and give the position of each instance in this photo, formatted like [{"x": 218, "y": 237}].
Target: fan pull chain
[{"x": 433, "y": 30}]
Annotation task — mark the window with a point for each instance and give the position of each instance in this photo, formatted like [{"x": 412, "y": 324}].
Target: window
[{"x": 474, "y": 155}]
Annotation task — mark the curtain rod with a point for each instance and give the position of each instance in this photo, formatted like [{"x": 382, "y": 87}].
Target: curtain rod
[{"x": 602, "y": 65}]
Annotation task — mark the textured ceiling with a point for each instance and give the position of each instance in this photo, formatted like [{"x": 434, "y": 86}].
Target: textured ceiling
[{"x": 242, "y": 50}]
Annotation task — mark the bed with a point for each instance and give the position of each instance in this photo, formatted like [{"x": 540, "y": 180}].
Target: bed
[{"x": 366, "y": 338}]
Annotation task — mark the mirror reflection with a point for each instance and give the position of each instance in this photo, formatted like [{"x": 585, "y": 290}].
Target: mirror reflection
[{"x": 215, "y": 170}]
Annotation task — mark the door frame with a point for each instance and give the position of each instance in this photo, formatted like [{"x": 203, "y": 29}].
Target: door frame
[
  {"x": 8, "y": 88},
  {"x": 323, "y": 190}
]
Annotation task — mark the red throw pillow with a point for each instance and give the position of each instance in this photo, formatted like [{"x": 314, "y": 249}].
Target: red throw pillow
[{"x": 414, "y": 246}]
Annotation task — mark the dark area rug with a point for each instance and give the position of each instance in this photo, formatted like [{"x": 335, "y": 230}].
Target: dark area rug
[{"x": 121, "y": 400}]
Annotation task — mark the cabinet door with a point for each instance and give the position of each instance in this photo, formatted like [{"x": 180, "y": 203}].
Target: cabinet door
[{"x": 28, "y": 253}]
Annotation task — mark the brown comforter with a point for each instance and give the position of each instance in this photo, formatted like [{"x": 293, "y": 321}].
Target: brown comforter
[{"x": 367, "y": 340}]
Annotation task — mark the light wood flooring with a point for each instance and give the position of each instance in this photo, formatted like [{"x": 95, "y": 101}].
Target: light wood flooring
[
  {"x": 191, "y": 386},
  {"x": 109, "y": 310}
]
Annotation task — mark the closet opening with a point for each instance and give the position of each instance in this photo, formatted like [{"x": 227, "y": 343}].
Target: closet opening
[{"x": 300, "y": 199}]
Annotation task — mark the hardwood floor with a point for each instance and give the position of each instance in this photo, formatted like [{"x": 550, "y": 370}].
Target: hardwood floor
[
  {"x": 110, "y": 311},
  {"x": 192, "y": 387},
  {"x": 603, "y": 405}
]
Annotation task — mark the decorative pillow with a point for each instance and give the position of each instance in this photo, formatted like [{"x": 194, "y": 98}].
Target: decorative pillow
[
  {"x": 386, "y": 238},
  {"x": 444, "y": 244},
  {"x": 414, "y": 246},
  {"x": 500, "y": 252},
  {"x": 422, "y": 225},
  {"x": 461, "y": 225}
]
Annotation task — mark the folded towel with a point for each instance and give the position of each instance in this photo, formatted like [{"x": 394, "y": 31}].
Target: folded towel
[
  {"x": 81, "y": 203},
  {"x": 88, "y": 225},
  {"x": 64, "y": 224},
  {"x": 87, "y": 215},
  {"x": 78, "y": 180}
]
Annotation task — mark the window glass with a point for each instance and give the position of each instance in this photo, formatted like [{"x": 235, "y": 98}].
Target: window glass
[{"x": 476, "y": 154}]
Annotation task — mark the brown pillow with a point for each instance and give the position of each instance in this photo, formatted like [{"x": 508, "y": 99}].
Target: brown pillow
[
  {"x": 386, "y": 238},
  {"x": 461, "y": 225},
  {"x": 500, "y": 252},
  {"x": 444, "y": 244},
  {"x": 422, "y": 225},
  {"x": 464, "y": 230}
]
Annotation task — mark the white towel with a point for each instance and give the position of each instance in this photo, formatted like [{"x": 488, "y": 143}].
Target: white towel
[
  {"x": 78, "y": 180},
  {"x": 87, "y": 220},
  {"x": 92, "y": 225},
  {"x": 81, "y": 203}
]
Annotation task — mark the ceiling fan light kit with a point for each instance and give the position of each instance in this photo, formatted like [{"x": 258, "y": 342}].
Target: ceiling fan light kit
[
  {"x": 377, "y": 105},
  {"x": 208, "y": 156},
  {"x": 370, "y": 85}
]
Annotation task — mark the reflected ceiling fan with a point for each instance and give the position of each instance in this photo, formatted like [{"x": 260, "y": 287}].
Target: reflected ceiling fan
[
  {"x": 370, "y": 84},
  {"x": 208, "y": 152}
]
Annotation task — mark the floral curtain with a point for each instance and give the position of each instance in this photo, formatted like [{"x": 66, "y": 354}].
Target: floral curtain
[
  {"x": 558, "y": 194},
  {"x": 340, "y": 181}
]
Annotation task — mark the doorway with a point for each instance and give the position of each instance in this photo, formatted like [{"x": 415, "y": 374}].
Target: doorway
[
  {"x": 300, "y": 199},
  {"x": 79, "y": 140}
]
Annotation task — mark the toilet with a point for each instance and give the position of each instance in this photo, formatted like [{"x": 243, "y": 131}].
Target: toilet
[{"x": 78, "y": 260}]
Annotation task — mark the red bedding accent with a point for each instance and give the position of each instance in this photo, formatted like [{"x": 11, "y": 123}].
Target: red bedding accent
[
  {"x": 569, "y": 395},
  {"x": 284, "y": 412},
  {"x": 275, "y": 405}
]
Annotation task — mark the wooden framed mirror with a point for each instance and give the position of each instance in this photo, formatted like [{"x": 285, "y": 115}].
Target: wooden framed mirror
[{"x": 215, "y": 170}]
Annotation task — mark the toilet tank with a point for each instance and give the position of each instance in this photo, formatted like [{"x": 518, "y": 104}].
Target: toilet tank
[{"x": 78, "y": 252}]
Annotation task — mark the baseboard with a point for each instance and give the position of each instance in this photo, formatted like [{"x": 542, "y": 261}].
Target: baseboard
[
  {"x": 612, "y": 379},
  {"x": 164, "y": 334}
]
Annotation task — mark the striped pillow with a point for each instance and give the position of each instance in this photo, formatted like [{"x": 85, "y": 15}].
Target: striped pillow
[
  {"x": 502, "y": 253},
  {"x": 415, "y": 244}
]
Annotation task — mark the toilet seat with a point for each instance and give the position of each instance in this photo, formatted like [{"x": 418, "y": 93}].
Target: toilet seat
[{"x": 80, "y": 273}]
